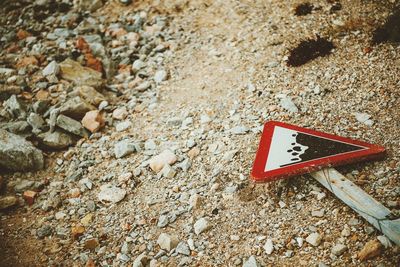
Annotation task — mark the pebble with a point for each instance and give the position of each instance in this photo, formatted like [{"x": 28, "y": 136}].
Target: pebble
[
  {"x": 183, "y": 248},
  {"x": 44, "y": 231},
  {"x": 167, "y": 171},
  {"x": 158, "y": 162},
  {"x": 287, "y": 103},
  {"x": 120, "y": 113},
  {"x": 268, "y": 246},
  {"x": 364, "y": 118},
  {"x": 338, "y": 249},
  {"x": 167, "y": 242},
  {"x": 318, "y": 213},
  {"x": 314, "y": 239},
  {"x": 51, "y": 69},
  {"x": 124, "y": 148},
  {"x": 201, "y": 226},
  {"x": 93, "y": 121},
  {"x": 251, "y": 262},
  {"x": 109, "y": 193},
  {"x": 122, "y": 126},
  {"x": 160, "y": 76}
]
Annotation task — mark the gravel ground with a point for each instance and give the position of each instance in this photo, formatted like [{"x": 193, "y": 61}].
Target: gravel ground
[{"x": 165, "y": 181}]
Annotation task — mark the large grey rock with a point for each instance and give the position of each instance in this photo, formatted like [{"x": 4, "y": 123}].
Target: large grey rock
[
  {"x": 56, "y": 140},
  {"x": 17, "y": 127},
  {"x": 17, "y": 154},
  {"x": 15, "y": 107},
  {"x": 75, "y": 72},
  {"x": 88, "y": 5},
  {"x": 71, "y": 125},
  {"x": 76, "y": 108}
]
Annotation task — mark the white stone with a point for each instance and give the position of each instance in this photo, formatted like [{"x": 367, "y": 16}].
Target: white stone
[
  {"x": 120, "y": 113},
  {"x": 318, "y": 213},
  {"x": 251, "y": 262},
  {"x": 150, "y": 145},
  {"x": 201, "y": 226},
  {"x": 364, "y": 118},
  {"x": 167, "y": 242},
  {"x": 158, "y": 162},
  {"x": 299, "y": 241},
  {"x": 314, "y": 239},
  {"x": 111, "y": 193},
  {"x": 268, "y": 246},
  {"x": 287, "y": 103},
  {"x": 122, "y": 126},
  {"x": 160, "y": 76}
]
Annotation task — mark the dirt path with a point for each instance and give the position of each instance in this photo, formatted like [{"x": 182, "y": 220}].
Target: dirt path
[{"x": 228, "y": 63}]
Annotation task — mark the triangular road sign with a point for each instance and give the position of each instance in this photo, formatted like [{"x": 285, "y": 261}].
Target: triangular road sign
[{"x": 286, "y": 150}]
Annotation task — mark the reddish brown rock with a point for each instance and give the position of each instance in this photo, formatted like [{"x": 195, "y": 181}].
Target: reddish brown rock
[
  {"x": 26, "y": 61},
  {"x": 22, "y": 34},
  {"x": 93, "y": 121},
  {"x": 372, "y": 249},
  {"x": 77, "y": 231},
  {"x": 29, "y": 197},
  {"x": 91, "y": 243}
]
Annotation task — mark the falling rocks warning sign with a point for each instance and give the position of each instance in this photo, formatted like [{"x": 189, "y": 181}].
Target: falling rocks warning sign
[{"x": 286, "y": 150}]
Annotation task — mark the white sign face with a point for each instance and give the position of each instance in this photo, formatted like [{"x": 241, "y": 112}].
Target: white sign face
[
  {"x": 290, "y": 147},
  {"x": 282, "y": 146}
]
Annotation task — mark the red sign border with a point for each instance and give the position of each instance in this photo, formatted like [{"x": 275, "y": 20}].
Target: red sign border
[{"x": 259, "y": 175}]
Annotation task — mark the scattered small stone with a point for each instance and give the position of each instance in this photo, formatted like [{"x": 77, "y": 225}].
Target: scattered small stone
[
  {"x": 167, "y": 242},
  {"x": 142, "y": 260},
  {"x": 251, "y": 262},
  {"x": 160, "y": 76},
  {"x": 120, "y": 113},
  {"x": 364, "y": 118},
  {"x": 338, "y": 249},
  {"x": 124, "y": 148},
  {"x": 268, "y": 246},
  {"x": 201, "y": 226},
  {"x": 91, "y": 243},
  {"x": 51, "y": 69},
  {"x": 183, "y": 248},
  {"x": 158, "y": 162},
  {"x": 29, "y": 196},
  {"x": 314, "y": 239},
  {"x": 44, "y": 231},
  {"x": 122, "y": 126},
  {"x": 167, "y": 171},
  {"x": 93, "y": 121},
  {"x": 77, "y": 231},
  {"x": 287, "y": 103},
  {"x": 112, "y": 194},
  {"x": 318, "y": 213}
]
